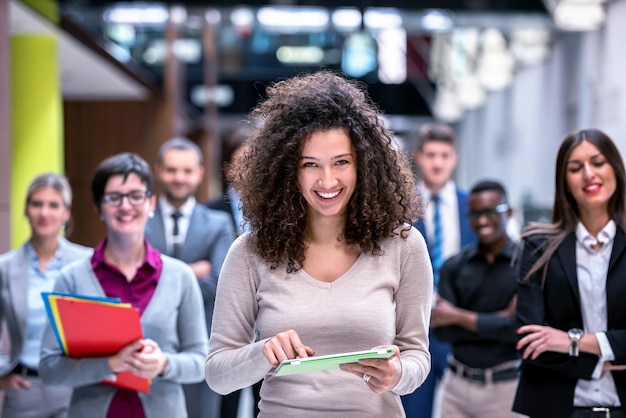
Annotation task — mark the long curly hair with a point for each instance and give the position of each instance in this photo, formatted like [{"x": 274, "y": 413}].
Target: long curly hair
[{"x": 266, "y": 176}]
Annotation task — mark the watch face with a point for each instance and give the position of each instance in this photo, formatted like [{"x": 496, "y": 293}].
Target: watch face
[{"x": 575, "y": 333}]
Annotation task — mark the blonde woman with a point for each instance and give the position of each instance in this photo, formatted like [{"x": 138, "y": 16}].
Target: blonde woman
[{"x": 24, "y": 274}]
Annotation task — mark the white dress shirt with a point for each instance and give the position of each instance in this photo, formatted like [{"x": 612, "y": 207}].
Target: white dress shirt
[
  {"x": 450, "y": 217},
  {"x": 183, "y": 222},
  {"x": 592, "y": 267}
]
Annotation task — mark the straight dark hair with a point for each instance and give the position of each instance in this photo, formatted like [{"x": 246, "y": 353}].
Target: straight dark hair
[{"x": 565, "y": 212}]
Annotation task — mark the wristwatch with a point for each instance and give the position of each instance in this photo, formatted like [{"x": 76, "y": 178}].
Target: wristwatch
[{"x": 574, "y": 335}]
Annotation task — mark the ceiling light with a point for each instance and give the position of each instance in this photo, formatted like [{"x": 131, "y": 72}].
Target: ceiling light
[
  {"x": 137, "y": 14},
  {"x": 222, "y": 95},
  {"x": 382, "y": 18},
  {"x": 348, "y": 19},
  {"x": 300, "y": 54},
  {"x": 578, "y": 15},
  {"x": 436, "y": 20},
  {"x": 293, "y": 19}
]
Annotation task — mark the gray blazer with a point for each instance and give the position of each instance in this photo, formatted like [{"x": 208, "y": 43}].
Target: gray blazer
[
  {"x": 14, "y": 267},
  {"x": 173, "y": 319},
  {"x": 209, "y": 237}
]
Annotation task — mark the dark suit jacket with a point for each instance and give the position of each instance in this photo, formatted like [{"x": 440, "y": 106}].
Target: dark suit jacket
[
  {"x": 222, "y": 203},
  {"x": 547, "y": 384},
  {"x": 467, "y": 235},
  {"x": 209, "y": 237},
  {"x": 14, "y": 267}
]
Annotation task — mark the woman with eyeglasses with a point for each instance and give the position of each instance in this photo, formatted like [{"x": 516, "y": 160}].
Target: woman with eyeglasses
[
  {"x": 163, "y": 289},
  {"x": 24, "y": 274},
  {"x": 571, "y": 295}
]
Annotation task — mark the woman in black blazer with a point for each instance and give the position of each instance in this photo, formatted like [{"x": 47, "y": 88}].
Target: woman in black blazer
[{"x": 572, "y": 293}]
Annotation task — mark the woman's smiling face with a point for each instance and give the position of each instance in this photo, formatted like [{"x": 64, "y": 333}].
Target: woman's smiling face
[
  {"x": 327, "y": 172},
  {"x": 589, "y": 176}
]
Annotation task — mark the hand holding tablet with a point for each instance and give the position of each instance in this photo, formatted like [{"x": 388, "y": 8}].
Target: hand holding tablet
[{"x": 328, "y": 362}]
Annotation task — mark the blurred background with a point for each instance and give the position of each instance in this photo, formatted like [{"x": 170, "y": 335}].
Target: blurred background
[{"x": 83, "y": 79}]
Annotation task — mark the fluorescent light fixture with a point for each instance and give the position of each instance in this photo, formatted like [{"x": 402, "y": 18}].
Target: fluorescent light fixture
[
  {"x": 221, "y": 95},
  {"x": 188, "y": 50},
  {"x": 348, "y": 19},
  {"x": 300, "y": 54},
  {"x": 382, "y": 18},
  {"x": 137, "y": 14},
  {"x": 578, "y": 15},
  {"x": 437, "y": 20},
  {"x": 293, "y": 19}
]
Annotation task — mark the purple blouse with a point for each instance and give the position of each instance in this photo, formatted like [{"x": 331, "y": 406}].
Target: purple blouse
[{"x": 138, "y": 293}]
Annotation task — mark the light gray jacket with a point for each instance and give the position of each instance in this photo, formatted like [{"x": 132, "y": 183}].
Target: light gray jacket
[
  {"x": 174, "y": 319},
  {"x": 14, "y": 267},
  {"x": 209, "y": 237}
]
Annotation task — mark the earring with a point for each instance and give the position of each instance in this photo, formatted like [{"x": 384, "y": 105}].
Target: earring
[{"x": 151, "y": 214}]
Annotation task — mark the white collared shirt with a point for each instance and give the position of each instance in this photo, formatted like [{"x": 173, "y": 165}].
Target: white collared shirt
[
  {"x": 449, "y": 210},
  {"x": 183, "y": 222},
  {"x": 591, "y": 268}
]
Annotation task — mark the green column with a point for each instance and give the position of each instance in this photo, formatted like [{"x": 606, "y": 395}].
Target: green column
[{"x": 37, "y": 124}]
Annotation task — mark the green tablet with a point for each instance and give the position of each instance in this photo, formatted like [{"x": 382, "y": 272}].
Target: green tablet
[{"x": 314, "y": 364}]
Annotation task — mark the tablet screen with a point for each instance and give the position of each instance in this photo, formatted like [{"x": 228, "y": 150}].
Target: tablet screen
[{"x": 317, "y": 363}]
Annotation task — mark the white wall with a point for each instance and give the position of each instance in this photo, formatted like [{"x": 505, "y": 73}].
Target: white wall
[{"x": 515, "y": 136}]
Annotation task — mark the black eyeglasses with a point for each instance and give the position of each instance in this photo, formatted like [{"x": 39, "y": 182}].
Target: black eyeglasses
[
  {"x": 135, "y": 198},
  {"x": 490, "y": 213}
]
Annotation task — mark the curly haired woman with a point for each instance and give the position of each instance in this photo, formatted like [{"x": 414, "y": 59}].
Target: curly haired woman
[{"x": 331, "y": 264}]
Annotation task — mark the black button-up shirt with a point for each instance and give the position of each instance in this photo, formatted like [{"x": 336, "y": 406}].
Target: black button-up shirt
[{"x": 469, "y": 282}]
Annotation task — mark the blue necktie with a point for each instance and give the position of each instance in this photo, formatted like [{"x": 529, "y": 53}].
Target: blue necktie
[{"x": 436, "y": 247}]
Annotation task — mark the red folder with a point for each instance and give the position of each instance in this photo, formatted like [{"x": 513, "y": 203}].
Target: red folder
[{"x": 93, "y": 327}]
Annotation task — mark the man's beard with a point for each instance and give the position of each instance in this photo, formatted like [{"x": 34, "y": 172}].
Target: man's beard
[{"x": 176, "y": 200}]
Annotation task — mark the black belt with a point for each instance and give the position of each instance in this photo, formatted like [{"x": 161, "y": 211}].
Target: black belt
[
  {"x": 25, "y": 370},
  {"x": 598, "y": 412},
  {"x": 482, "y": 375}
]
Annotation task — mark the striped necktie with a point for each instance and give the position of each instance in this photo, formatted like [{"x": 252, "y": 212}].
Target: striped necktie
[{"x": 436, "y": 247}]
